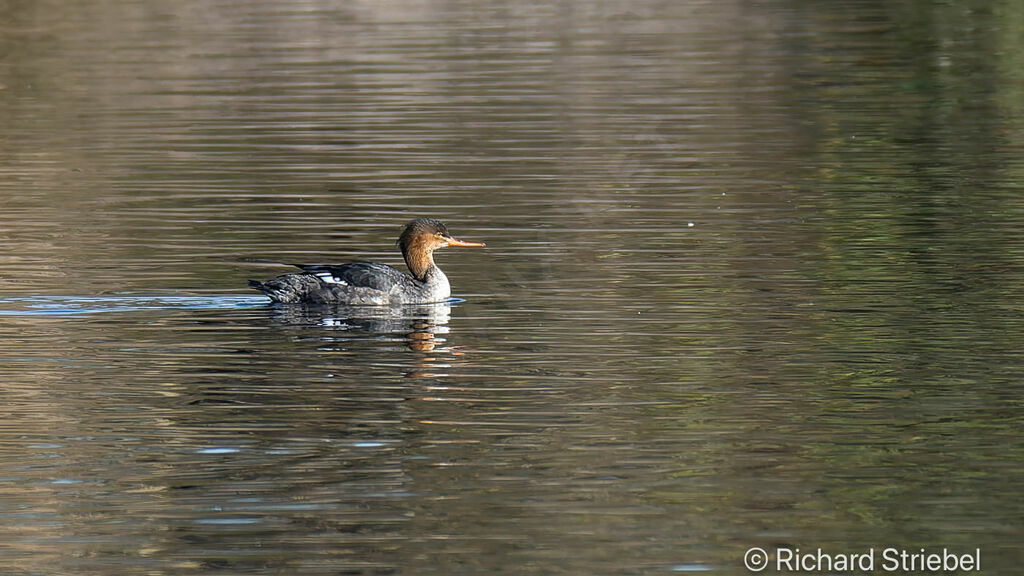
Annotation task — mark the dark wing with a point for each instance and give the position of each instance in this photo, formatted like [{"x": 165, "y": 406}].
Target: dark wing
[{"x": 358, "y": 274}]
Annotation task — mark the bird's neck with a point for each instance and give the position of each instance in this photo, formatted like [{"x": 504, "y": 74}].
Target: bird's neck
[{"x": 420, "y": 262}]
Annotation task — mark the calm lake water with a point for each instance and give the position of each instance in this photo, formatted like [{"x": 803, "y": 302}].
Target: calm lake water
[{"x": 754, "y": 278}]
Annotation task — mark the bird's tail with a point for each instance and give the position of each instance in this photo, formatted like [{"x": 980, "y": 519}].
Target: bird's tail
[
  {"x": 267, "y": 288},
  {"x": 290, "y": 287}
]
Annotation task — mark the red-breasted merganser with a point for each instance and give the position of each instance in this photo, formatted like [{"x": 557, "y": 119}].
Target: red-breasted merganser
[{"x": 370, "y": 283}]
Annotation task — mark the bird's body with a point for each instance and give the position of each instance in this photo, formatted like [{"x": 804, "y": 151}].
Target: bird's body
[{"x": 370, "y": 283}]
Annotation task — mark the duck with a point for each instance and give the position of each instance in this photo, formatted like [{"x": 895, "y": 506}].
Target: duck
[{"x": 372, "y": 283}]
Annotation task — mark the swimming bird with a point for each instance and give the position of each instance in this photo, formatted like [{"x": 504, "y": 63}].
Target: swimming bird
[{"x": 371, "y": 283}]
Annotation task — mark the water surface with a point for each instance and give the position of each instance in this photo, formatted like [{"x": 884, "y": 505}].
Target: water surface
[{"x": 753, "y": 278}]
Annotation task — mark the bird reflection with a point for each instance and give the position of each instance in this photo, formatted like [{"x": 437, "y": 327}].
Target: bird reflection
[
  {"x": 422, "y": 338},
  {"x": 422, "y": 325}
]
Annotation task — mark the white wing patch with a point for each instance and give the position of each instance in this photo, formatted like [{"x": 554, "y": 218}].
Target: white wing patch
[{"x": 330, "y": 278}]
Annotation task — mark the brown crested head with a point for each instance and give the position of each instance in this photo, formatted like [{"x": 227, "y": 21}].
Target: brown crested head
[
  {"x": 420, "y": 238},
  {"x": 423, "y": 231}
]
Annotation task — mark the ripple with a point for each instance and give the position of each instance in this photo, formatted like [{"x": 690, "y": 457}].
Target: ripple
[{"x": 70, "y": 305}]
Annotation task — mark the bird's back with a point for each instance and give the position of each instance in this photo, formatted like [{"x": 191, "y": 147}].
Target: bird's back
[
  {"x": 370, "y": 275},
  {"x": 355, "y": 283}
]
